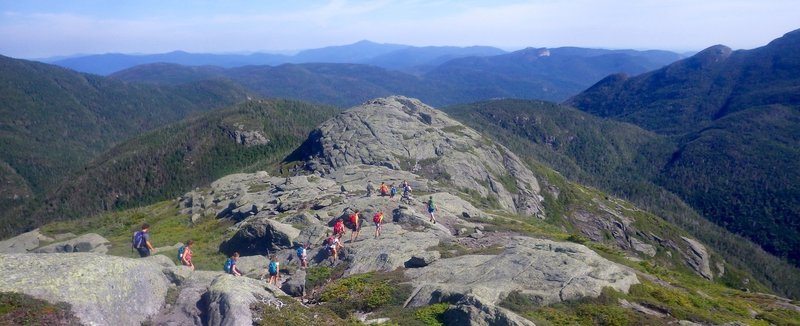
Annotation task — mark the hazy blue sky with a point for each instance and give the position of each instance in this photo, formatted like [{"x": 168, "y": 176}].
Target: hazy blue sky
[{"x": 41, "y": 28}]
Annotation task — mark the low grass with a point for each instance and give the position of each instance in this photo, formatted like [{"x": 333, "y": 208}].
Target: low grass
[{"x": 167, "y": 227}]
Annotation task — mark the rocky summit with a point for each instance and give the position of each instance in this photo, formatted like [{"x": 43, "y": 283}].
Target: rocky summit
[{"x": 463, "y": 260}]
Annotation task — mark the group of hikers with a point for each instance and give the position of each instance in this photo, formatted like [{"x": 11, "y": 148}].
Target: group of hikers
[{"x": 333, "y": 242}]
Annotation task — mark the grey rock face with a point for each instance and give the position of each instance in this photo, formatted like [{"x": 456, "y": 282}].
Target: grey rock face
[
  {"x": 91, "y": 242},
  {"x": 256, "y": 237},
  {"x": 296, "y": 284},
  {"x": 103, "y": 290},
  {"x": 405, "y": 134},
  {"x": 547, "y": 270},
  {"x": 229, "y": 298},
  {"x": 395, "y": 247},
  {"x": 23, "y": 243},
  {"x": 697, "y": 258},
  {"x": 471, "y": 311}
]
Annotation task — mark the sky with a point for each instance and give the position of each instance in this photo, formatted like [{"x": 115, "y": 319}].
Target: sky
[{"x": 44, "y": 28}]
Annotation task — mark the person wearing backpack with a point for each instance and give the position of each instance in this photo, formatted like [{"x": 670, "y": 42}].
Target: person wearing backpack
[
  {"x": 141, "y": 241},
  {"x": 333, "y": 244},
  {"x": 185, "y": 254},
  {"x": 431, "y": 209},
  {"x": 355, "y": 226},
  {"x": 273, "y": 268},
  {"x": 230, "y": 265},
  {"x": 302, "y": 255},
  {"x": 384, "y": 189},
  {"x": 338, "y": 228},
  {"x": 378, "y": 220},
  {"x": 392, "y": 191}
]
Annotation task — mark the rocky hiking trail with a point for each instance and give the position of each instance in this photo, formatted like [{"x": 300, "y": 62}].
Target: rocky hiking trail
[{"x": 472, "y": 259}]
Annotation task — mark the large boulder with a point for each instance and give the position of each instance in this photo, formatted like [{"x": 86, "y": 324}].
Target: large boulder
[
  {"x": 545, "y": 270},
  {"x": 23, "y": 243},
  {"x": 295, "y": 285},
  {"x": 697, "y": 258},
  {"x": 90, "y": 242},
  {"x": 188, "y": 307},
  {"x": 103, "y": 290},
  {"x": 229, "y": 299},
  {"x": 471, "y": 311},
  {"x": 404, "y": 134},
  {"x": 259, "y": 236},
  {"x": 395, "y": 247}
]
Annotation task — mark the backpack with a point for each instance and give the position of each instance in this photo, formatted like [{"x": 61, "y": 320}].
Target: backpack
[
  {"x": 301, "y": 251},
  {"x": 273, "y": 267},
  {"x": 229, "y": 266},
  {"x": 354, "y": 218},
  {"x": 181, "y": 250},
  {"x": 377, "y": 218},
  {"x": 138, "y": 239},
  {"x": 338, "y": 228}
]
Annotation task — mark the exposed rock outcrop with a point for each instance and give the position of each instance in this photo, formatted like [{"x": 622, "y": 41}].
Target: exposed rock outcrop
[
  {"x": 90, "y": 242},
  {"x": 23, "y": 243},
  {"x": 404, "y": 134},
  {"x": 546, "y": 270},
  {"x": 697, "y": 257},
  {"x": 259, "y": 236},
  {"x": 103, "y": 290},
  {"x": 229, "y": 298}
]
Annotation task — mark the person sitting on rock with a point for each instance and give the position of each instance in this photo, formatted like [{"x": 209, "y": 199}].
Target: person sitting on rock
[
  {"x": 186, "y": 257},
  {"x": 384, "y": 189},
  {"x": 273, "y": 268},
  {"x": 141, "y": 241},
  {"x": 230, "y": 265},
  {"x": 355, "y": 222},
  {"x": 378, "y": 220},
  {"x": 431, "y": 209},
  {"x": 338, "y": 228}
]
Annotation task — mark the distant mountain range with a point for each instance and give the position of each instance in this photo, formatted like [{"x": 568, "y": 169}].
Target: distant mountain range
[
  {"x": 390, "y": 56},
  {"x": 735, "y": 116},
  {"x": 549, "y": 74}
]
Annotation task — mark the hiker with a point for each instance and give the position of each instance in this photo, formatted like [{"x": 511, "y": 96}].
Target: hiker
[
  {"x": 404, "y": 184},
  {"x": 378, "y": 220},
  {"x": 185, "y": 254},
  {"x": 370, "y": 188},
  {"x": 406, "y": 194},
  {"x": 273, "y": 268},
  {"x": 141, "y": 241},
  {"x": 356, "y": 226},
  {"x": 431, "y": 209},
  {"x": 338, "y": 228},
  {"x": 230, "y": 265},
  {"x": 384, "y": 189},
  {"x": 302, "y": 255},
  {"x": 392, "y": 191},
  {"x": 333, "y": 245}
]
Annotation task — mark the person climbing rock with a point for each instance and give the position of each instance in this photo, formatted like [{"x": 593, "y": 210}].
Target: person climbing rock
[
  {"x": 302, "y": 255},
  {"x": 378, "y": 220},
  {"x": 355, "y": 222},
  {"x": 273, "y": 268},
  {"x": 338, "y": 228},
  {"x": 392, "y": 191},
  {"x": 186, "y": 255},
  {"x": 431, "y": 209},
  {"x": 370, "y": 188},
  {"x": 333, "y": 245},
  {"x": 230, "y": 265},
  {"x": 141, "y": 241}
]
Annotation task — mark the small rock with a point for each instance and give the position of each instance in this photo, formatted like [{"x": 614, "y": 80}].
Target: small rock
[{"x": 423, "y": 259}]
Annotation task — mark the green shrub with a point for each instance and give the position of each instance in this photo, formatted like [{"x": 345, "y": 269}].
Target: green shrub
[
  {"x": 358, "y": 292},
  {"x": 22, "y": 309},
  {"x": 432, "y": 315}
]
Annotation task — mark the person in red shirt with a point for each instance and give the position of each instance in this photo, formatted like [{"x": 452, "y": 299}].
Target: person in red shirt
[{"x": 186, "y": 259}]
